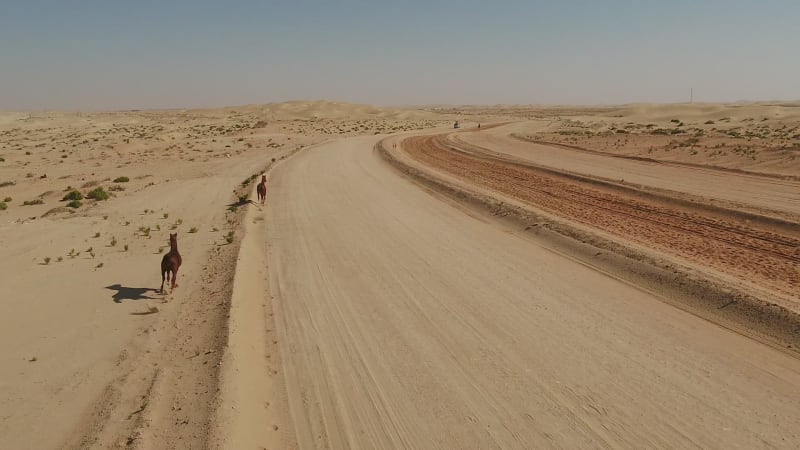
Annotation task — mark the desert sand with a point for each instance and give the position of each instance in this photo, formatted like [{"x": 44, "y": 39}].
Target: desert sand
[
  {"x": 568, "y": 277},
  {"x": 88, "y": 342}
]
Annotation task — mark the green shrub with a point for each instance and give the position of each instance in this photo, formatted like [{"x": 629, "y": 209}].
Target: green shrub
[
  {"x": 75, "y": 204},
  {"x": 121, "y": 180},
  {"x": 98, "y": 194},
  {"x": 3, "y": 206},
  {"x": 7, "y": 200},
  {"x": 74, "y": 195},
  {"x": 38, "y": 201}
]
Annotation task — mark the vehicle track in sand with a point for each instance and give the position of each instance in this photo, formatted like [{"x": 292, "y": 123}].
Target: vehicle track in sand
[{"x": 747, "y": 251}]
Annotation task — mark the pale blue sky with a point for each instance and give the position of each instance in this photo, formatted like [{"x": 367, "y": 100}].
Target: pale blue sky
[{"x": 106, "y": 54}]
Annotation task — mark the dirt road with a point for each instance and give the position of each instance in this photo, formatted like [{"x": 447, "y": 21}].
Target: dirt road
[
  {"x": 719, "y": 239},
  {"x": 774, "y": 196},
  {"x": 405, "y": 321}
]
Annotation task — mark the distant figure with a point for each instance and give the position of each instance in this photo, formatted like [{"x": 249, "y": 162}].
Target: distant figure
[
  {"x": 261, "y": 189},
  {"x": 456, "y": 125},
  {"x": 479, "y": 126},
  {"x": 171, "y": 262}
]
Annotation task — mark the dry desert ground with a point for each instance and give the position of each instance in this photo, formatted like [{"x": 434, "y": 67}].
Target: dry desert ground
[{"x": 557, "y": 277}]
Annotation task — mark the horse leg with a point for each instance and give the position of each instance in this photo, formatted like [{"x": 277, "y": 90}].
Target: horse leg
[
  {"x": 175, "y": 278},
  {"x": 163, "y": 273}
]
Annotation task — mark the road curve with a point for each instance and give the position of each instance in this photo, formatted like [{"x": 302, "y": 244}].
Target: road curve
[
  {"x": 776, "y": 196},
  {"x": 407, "y": 322}
]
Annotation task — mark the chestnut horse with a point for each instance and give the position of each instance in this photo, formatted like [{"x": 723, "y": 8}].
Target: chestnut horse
[
  {"x": 262, "y": 189},
  {"x": 171, "y": 262}
]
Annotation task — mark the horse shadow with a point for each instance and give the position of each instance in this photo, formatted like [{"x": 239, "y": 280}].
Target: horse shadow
[
  {"x": 241, "y": 202},
  {"x": 130, "y": 293}
]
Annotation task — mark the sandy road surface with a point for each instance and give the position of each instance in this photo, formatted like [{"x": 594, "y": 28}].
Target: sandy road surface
[
  {"x": 728, "y": 243},
  {"x": 405, "y": 322},
  {"x": 753, "y": 191}
]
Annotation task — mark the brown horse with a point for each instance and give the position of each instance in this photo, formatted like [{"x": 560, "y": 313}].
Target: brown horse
[
  {"x": 262, "y": 189},
  {"x": 171, "y": 262}
]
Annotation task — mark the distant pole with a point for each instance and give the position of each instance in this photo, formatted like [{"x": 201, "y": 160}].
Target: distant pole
[{"x": 691, "y": 95}]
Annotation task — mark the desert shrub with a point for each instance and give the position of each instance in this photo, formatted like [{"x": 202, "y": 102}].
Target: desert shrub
[
  {"x": 7, "y": 183},
  {"x": 121, "y": 180},
  {"x": 37, "y": 201},
  {"x": 116, "y": 188},
  {"x": 75, "y": 204},
  {"x": 74, "y": 195},
  {"x": 7, "y": 200},
  {"x": 98, "y": 194},
  {"x": 709, "y": 122},
  {"x": 3, "y": 206},
  {"x": 193, "y": 230},
  {"x": 47, "y": 260}
]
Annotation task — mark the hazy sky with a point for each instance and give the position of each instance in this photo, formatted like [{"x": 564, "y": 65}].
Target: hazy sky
[{"x": 107, "y": 54}]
